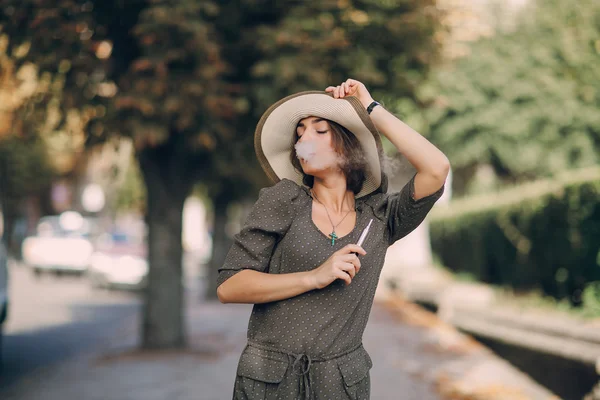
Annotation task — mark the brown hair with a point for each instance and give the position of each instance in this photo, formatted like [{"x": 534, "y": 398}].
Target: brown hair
[{"x": 348, "y": 147}]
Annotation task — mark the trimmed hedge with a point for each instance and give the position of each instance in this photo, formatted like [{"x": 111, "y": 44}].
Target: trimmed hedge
[{"x": 542, "y": 235}]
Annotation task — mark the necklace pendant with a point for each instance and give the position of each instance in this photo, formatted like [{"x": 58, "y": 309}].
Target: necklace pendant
[{"x": 333, "y": 236}]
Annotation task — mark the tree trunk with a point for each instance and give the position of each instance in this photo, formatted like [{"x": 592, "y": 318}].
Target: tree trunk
[
  {"x": 8, "y": 217},
  {"x": 163, "y": 311},
  {"x": 221, "y": 244},
  {"x": 9, "y": 213},
  {"x": 7, "y": 223}
]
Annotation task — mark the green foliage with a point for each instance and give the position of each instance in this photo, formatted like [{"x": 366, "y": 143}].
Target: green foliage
[
  {"x": 24, "y": 170},
  {"x": 389, "y": 45},
  {"x": 548, "y": 241},
  {"x": 131, "y": 195},
  {"x": 591, "y": 298},
  {"x": 27, "y": 121},
  {"x": 174, "y": 85},
  {"x": 536, "y": 300},
  {"x": 525, "y": 100},
  {"x": 60, "y": 38}
]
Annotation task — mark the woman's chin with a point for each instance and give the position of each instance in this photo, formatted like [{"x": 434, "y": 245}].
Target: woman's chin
[
  {"x": 317, "y": 172},
  {"x": 310, "y": 169}
]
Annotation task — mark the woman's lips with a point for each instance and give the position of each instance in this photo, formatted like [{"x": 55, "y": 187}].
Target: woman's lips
[{"x": 309, "y": 156}]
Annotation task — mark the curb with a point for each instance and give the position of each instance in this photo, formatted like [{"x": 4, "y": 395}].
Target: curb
[
  {"x": 519, "y": 330},
  {"x": 471, "y": 307}
]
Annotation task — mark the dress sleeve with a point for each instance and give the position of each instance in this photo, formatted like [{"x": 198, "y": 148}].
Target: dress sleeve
[
  {"x": 268, "y": 221},
  {"x": 404, "y": 214}
]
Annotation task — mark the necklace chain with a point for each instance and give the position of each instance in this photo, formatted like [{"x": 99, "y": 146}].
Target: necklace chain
[{"x": 332, "y": 235}]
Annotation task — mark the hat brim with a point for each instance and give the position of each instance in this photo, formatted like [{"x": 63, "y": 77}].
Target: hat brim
[{"x": 273, "y": 137}]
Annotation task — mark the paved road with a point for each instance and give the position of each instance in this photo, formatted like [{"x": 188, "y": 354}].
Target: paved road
[{"x": 53, "y": 319}]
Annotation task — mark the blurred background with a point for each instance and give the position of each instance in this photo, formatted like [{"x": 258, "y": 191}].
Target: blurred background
[{"x": 127, "y": 159}]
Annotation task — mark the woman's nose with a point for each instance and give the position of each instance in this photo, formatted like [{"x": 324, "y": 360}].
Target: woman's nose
[{"x": 306, "y": 135}]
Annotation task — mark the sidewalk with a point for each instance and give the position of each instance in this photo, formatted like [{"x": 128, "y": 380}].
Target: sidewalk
[{"x": 415, "y": 355}]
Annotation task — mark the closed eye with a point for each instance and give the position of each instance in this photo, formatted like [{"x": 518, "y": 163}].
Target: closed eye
[{"x": 321, "y": 131}]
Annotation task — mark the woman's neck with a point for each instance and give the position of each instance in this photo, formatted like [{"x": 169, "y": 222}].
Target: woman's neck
[{"x": 333, "y": 194}]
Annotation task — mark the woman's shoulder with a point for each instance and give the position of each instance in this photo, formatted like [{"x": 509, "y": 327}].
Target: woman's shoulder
[
  {"x": 277, "y": 205},
  {"x": 375, "y": 202},
  {"x": 288, "y": 185},
  {"x": 374, "y": 199},
  {"x": 286, "y": 191}
]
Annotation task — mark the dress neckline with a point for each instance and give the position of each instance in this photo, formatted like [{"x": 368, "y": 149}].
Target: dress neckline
[{"x": 350, "y": 234}]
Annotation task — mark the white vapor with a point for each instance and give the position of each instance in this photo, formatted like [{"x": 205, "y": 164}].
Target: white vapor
[{"x": 317, "y": 158}]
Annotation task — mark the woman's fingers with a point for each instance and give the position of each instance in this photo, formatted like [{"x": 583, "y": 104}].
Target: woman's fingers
[
  {"x": 349, "y": 268},
  {"x": 352, "y": 248},
  {"x": 352, "y": 258},
  {"x": 343, "y": 276},
  {"x": 349, "y": 87}
]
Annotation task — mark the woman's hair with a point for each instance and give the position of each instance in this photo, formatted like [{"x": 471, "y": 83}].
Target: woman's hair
[{"x": 347, "y": 146}]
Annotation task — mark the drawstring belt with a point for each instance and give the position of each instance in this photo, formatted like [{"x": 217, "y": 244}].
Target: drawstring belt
[{"x": 301, "y": 365}]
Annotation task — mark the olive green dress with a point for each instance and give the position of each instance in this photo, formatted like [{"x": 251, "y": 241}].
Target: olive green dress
[{"x": 310, "y": 346}]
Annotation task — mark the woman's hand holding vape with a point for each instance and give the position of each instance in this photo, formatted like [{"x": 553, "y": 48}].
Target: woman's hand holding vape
[{"x": 343, "y": 264}]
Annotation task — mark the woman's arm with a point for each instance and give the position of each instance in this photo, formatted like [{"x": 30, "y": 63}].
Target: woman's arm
[
  {"x": 431, "y": 164},
  {"x": 250, "y": 286}
]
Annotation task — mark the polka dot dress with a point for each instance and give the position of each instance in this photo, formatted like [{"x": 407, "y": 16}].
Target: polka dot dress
[{"x": 309, "y": 346}]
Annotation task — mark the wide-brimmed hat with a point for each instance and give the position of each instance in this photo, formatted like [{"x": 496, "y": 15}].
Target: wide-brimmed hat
[{"x": 273, "y": 137}]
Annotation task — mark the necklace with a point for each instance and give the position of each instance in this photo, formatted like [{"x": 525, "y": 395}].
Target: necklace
[{"x": 332, "y": 235}]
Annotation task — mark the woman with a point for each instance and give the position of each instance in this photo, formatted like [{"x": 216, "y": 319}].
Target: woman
[{"x": 296, "y": 259}]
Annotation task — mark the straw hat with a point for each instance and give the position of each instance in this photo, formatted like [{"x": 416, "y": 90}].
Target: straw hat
[{"x": 273, "y": 139}]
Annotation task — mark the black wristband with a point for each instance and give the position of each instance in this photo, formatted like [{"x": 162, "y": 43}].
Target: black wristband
[{"x": 372, "y": 106}]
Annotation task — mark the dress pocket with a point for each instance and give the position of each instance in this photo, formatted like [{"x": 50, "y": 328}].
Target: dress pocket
[
  {"x": 259, "y": 374},
  {"x": 355, "y": 373}
]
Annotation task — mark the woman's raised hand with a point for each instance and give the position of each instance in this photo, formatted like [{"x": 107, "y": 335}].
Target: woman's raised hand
[
  {"x": 343, "y": 264},
  {"x": 351, "y": 87}
]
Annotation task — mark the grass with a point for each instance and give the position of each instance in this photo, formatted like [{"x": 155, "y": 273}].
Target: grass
[{"x": 536, "y": 300}]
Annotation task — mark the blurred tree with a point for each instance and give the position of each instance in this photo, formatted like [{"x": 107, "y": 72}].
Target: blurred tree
[
  {"x": 26, "y": 164},
  {"x": 25, "y": 174},
  {"x": 187, "y": 81},
  {"x": 154, "y": 67},
  {"x": 390, "y": 45},
  {"x": 524, "y": 101}
]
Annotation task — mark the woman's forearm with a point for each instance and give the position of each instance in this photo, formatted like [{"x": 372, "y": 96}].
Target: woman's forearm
[
  {"x": 431, "y": 164},
  {"x": 253, "y": 287}
]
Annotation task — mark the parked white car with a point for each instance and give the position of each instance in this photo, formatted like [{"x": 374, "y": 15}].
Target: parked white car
[
  {"x": 120, "y": 261},
  {"x": 61, "y": 244}
]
